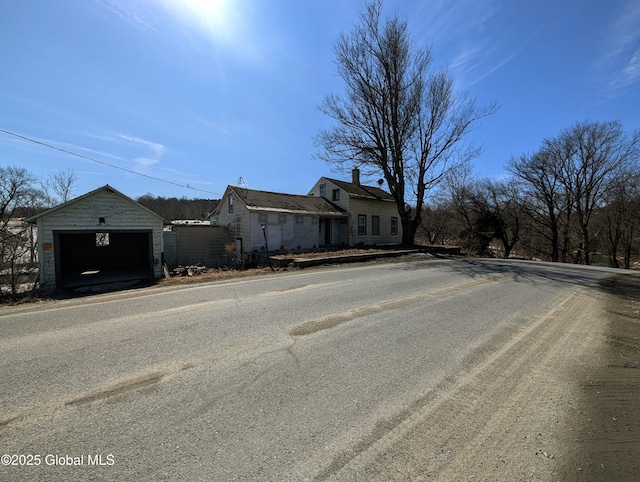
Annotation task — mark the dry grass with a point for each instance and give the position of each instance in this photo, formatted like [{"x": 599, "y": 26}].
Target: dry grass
[
  {"x": 329, "y": 253},
  {"x": 216, "y": 275},
  {"x": 226, "y": 273}
]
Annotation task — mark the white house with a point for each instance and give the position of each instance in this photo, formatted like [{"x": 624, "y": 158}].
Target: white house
[
  {"x": 260, "y": 220},
  {"x": 334, "y": 213},
  {"x": 373, "y": 215}
]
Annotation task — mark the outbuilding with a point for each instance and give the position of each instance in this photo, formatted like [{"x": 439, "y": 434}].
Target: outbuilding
[{"x": 99, "y": 238}]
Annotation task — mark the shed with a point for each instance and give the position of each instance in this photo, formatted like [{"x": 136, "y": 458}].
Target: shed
[
  {"x": 101, "y": 237},
  {"x": 196, "y": 244}
]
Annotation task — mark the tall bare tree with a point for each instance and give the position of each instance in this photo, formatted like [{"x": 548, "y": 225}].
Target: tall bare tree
[
  {"x": 569, "y": 179},
  {"x": 592, "y": 154},
  {"x": 621, "y": 216},
  {"x": 397, "y": 118},
  {"x": 540, "y": 177}
]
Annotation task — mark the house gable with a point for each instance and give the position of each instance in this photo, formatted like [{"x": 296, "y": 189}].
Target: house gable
[{"x": 103, "y": 200}]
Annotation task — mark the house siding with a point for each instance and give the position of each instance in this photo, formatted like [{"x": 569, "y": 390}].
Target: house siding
[
  {"x": 238, "y": 222},
  {"x": 385, "y": 210},
  {"x": 284, "y": 231},
  {"x": 367, "y": 207},
  {"x": 84, "y": 215}
]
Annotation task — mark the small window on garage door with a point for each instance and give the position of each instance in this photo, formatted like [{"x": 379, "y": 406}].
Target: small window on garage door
[{"x": 102, "y": 239}]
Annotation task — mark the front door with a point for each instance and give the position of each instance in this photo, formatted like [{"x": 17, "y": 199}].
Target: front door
[{"x": 327, "y": 232}]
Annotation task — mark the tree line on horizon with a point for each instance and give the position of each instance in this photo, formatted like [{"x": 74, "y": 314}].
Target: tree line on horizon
[{"x": 173, "y": 208}]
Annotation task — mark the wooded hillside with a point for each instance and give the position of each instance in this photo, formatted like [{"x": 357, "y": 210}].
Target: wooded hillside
[{"x": 173, "y": 208}]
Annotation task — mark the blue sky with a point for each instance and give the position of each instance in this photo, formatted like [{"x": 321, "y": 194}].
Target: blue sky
[{"x": 200, "y": 93}]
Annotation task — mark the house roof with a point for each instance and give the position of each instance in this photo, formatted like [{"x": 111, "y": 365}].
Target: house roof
[
  {"x": 285, "y": 203},
  {"x": 107, "y": 188},
  {"x": 360, "y": 191}
]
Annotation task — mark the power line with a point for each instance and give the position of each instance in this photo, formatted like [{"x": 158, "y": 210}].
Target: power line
[{"x": 71, "y": 153}]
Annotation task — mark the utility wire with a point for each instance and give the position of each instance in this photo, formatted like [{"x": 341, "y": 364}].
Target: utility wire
[{"x": 28, "y": 139}]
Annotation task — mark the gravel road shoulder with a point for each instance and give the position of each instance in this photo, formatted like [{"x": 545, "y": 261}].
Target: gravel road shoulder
[
  {"x": 556, "y": 399},
  {"x": 605, "y": 440}
]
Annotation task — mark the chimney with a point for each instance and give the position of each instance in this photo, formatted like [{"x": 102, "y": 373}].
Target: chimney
[{"x": 355, "y": 176}]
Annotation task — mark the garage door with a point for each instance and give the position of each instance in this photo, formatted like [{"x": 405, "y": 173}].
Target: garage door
[{"x": 92, "y": 258}]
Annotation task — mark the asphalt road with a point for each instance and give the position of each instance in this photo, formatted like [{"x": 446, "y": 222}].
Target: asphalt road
[{"x": 319, "y": 374}]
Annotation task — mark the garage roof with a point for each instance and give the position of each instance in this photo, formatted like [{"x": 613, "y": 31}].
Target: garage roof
[{"x": 106, "y": 188}]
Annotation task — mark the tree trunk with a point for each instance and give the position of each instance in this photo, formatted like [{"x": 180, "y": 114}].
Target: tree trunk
[
  {"x": 585, "y": 246},
  {"x": 565, "y": 245},
  {"x": 408, "y": 232},
  {"x": 627, "y": 248},
  {"x": 555, "y": 251}
]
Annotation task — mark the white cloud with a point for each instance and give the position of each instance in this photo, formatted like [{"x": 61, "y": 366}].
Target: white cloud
[
  {"x": 153, "y": 154},
  {"x": 621, "y": 61},
  {"x": 131, "y": 11},
  {"x": 627, "y": 75},
  {"x": 463, "y": 41},
  {"x": 145, "y": 161}
]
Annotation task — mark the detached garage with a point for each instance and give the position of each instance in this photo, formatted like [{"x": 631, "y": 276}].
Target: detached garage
[{"x": 100, "y": 238}]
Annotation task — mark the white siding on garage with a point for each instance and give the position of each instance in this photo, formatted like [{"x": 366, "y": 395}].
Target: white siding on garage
[{"x": 103, "y": 210}]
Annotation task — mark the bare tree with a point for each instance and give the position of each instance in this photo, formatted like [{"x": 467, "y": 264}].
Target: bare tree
[
  {"x": 17, "y": 199},
  {"x": 459, "y": 188},
  {"x": 58, "y": 187},
  {"x": 397, "y": 117},
  {"x": 620, "y": 216},
  {"x": 540, "y": 177},
  {"x": 437, "y": 224},
  {"x": 568, "y": 180},
  {"x": 501, "y": 203},
  {"x": 591, "y": 154}
]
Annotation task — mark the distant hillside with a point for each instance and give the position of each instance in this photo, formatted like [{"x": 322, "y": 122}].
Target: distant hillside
[{"x": 173, "y": 208}]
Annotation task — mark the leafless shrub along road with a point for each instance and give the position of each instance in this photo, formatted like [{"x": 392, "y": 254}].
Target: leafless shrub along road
[{"x": 422, "y": 370}]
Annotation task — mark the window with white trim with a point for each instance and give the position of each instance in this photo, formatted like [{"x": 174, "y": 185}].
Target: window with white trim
[
  {"x": 362, "y": 224},
  {"x": 394, "y": 226}
]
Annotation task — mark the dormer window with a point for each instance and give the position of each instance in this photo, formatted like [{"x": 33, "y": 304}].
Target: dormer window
[
  {"x": 323, "y": 189},
  {"x": 335, "y": 195}
]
